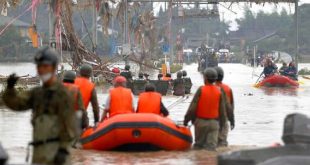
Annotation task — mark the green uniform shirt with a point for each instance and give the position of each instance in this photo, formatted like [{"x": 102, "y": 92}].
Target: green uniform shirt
[{"x": 53, "y": 117}]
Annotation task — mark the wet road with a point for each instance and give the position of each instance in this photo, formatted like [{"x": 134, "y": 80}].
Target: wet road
[{"x": 259, "y": 119}]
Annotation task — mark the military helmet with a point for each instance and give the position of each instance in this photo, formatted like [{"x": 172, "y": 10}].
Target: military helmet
[
  {"x": 184, "y": 73},
  {"x": 220, "y": 73},
  {"x": 46, "y": 56},
  {"x": 179, "y": 74},
  {"x": 69, "y": 76},
  {"x": 210, "y": 74},
  {"x": 86, "y": 70},
  {"x": 149, "y": 87},
  {"x": 127, "y": 67}
]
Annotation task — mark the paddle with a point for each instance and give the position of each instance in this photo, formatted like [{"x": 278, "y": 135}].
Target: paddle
[{"x": 256, "y": 83}]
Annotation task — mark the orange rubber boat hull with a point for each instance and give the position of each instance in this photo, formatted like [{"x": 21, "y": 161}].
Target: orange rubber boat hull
[
  {"x": 278, "y": 81},
  {"x": 137, "y": 128}
]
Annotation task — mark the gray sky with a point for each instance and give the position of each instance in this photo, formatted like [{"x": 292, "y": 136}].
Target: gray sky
[{"x": 238, "y": 9}]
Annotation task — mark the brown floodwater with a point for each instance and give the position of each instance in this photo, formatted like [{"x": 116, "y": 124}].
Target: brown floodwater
[{"x": 259, "y": 119}]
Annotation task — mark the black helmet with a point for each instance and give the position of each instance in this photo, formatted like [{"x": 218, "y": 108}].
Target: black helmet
[
  {"x": 86, "y": 70},
  {"x": 160, "y": 75},
  {"x": 184, "y": 73},
  {"x": 69, "y": 76},
  {"x": 210, "y": 74},
  {"x": 46, "y": 56},
  {"x": 149, "y": 87},
  {"x": 220, "y": 73},
  {"x": 168, "y": 75},
  {"x": 179, "y": 74},
  {"x": 127, "y": 67}
]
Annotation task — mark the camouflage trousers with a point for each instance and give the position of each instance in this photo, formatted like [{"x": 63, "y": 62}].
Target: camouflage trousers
[
  {"x": 45, "y": 154},
  {"x": 206, "y": 134},
  {"x": 223, "y": 134}
]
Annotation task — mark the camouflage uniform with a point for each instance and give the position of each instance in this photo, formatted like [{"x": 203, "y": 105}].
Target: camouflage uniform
[
  {"x": 206, "y": 131},
  {"x": 188, "y": 84},
  {"x": 53, "y": 119},
  {"x": 178, "y": 87},
  {"x": 229, "y": 116}
]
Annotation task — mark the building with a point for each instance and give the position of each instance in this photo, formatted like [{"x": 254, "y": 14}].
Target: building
[{"x": 21, "y": 27}]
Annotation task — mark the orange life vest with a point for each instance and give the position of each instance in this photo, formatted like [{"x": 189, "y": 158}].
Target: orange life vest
[
  {"x": 120, "y": 101},
  {"x": 227, "y": 91},
  {"x": 74, "y": 89},
  {"x": 149, "y": 102},
  {"x": 209, "y": 102},
  {"x": 86, "y": 89},
  {"x": 166, "y": 78}
]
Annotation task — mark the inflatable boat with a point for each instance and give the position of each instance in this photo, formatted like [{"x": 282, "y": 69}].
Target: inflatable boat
[
  {"x": 278, "y": 81},
  {"x": 137, "y": 131}
]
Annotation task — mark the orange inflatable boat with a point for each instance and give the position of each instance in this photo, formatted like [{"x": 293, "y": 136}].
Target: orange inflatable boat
[{"x": 137, "y": 131}]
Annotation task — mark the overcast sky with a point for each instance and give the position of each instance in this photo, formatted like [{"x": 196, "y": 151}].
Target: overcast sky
[{"x": 238, "y": 9}]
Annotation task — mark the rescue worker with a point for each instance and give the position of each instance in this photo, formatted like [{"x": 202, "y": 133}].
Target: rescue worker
[
  {"x": 53, "y": 117},
  {"x": 160, "y": 76},
  {"x": 68, "y": 82},
  {"x": 206, "y": 112},
  {"x": 140, "y": 76},
  {"x": 178, "y": 85},
  {"x": 229, "y": 115},
  {"x": 155, "y": 106},
  {"x": 161, "y": 85},
  {"x": 283, "y": 69},
  {"x": 213, "y": 59},
  {"x": 187, "y": 82},
  {"x": 146, "y": 76},
  {"x": 120, "y": 99},
  {"x": 88, "y": 91},
  {"x": 127, "y": 73},
  {"x": 167, "y": 77},
  {"x": 116, "y": 71},
  {"x": 292, "y": 71},
  {"x": 270, "y": 68}
]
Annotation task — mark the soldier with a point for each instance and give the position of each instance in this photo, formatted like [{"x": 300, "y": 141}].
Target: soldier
[
  {"x": 155, "y": 106},
  {"x": 187, "y": 82},
  {"x": 206, "y": 112},
  {"x": 229, "y": 114},
  {"x": 53, "y": 116},
  {"x": 127, "y": 73},
  {"x": 161, "y": 85},
  {"x": 178, "y": 85},
  {"x": 120, "y": 99},
  {"x": 140, "y": 76},
  {"x": 68, "y": 82},
  {"x": 88, "y": 91},
  {"x": 160, "y": 76}
]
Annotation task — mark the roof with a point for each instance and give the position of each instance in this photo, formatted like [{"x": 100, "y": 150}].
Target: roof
[{"x": 4, "y": 20}]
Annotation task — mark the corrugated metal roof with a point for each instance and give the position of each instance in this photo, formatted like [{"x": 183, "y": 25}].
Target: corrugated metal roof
[{"x": 4, "y": 20}]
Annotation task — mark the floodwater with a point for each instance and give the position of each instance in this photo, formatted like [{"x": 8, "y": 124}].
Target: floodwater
[{"x": 259, "y": 119}]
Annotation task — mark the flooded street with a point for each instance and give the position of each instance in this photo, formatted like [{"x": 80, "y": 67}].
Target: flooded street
[{"x": 259, "y": 119}]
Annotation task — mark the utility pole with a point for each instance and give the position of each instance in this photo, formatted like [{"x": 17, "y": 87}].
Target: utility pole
[
  {"x": 170, "y": 30},
  {"x": 94, "y": 26},
  {"x": 297, "y": 34},
  {"x": 51, "y": 27}
]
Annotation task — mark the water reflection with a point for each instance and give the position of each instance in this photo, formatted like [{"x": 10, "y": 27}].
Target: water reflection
[{"x": 273, "y": 91}]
